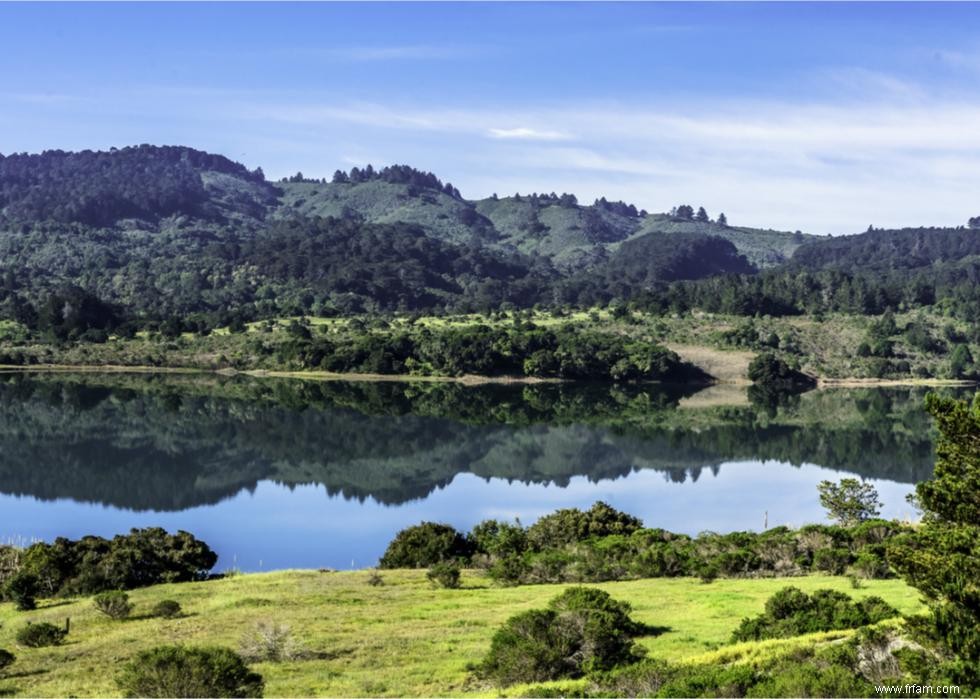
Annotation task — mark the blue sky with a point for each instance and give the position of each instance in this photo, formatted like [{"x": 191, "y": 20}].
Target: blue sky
[{"x": 820, "y": 117}]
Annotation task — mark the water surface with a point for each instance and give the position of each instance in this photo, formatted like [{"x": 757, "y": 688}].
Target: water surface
[{"x": 286, "y": 473}]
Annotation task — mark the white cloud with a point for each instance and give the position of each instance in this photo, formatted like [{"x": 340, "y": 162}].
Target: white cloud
[{"x": 525, "y": 134}]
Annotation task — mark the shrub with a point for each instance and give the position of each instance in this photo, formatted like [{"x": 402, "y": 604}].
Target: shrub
[
  {"x": 572, "y": 525},
  {"x": 41, "y": 635},
  {"x": 445, "y": 574},
  {"x": 178, "y": 671},
  {"x": 22, "y": 590},
  {"x": 498, "y": 539},
  {"x": 6, "y": 659},
  {"x": 375, "y": 579},
  {"x": 582, "y": 630},
  {"x": 269, "y": 641},
  {"x": 792, "y": 612},
  {"x": 424, "y": 545},
  {"x": 167, "y": 609},
  {"x": 114, "y": 604}
]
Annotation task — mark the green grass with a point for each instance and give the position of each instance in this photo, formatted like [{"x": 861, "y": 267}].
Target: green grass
[{"x": 404, "y": 638}]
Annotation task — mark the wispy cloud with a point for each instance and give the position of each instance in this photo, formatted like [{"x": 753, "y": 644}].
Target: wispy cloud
[{"x": 523, "y": 133}]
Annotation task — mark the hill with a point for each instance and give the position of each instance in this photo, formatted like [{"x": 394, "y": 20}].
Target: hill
[{"x": 149, "y": 233}]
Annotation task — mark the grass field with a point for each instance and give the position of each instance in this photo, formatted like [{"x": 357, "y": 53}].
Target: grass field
[{"x": 403, "y": 638}]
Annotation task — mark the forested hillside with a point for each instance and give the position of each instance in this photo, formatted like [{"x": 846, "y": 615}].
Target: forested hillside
[{"x": 113, "y": 241}]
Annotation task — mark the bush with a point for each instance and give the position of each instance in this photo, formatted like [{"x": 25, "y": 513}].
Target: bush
[
  {"x": 166, "y": 609},
  {"x": 178, "y": 671},
  {"x": 22, "y": 590},
  {"x": 375, "y": 579},
  {"x": 6, "y": 659},
  {"x": 792, "y": 612},
  {"x": 114, "y": 604},
  {"x": 572, "y": 525},
  {"x": 41, "y": 635},
  {"x": 582, "y": 630},
  {"x": 424, "y": 545},
  {"x": 445, "y": 574},
  {"x": 269, "y": 641}
]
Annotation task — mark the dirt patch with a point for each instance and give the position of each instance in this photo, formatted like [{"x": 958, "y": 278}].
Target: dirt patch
[{"x": 726, "y": 366}]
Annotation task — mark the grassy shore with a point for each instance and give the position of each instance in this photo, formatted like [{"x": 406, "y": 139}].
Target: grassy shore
[
  {"x": 403, "y": 638},
  {"x": 826, "y": 348}
]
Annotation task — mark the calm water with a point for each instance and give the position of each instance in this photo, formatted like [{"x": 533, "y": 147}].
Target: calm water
[{"x": 278, "y": 474}]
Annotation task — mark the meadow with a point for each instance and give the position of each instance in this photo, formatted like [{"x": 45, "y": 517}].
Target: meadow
[{"x": 401, "y": 638}]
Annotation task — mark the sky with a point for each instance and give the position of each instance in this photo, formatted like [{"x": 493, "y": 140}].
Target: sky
[{"x": 825, "y": 118}]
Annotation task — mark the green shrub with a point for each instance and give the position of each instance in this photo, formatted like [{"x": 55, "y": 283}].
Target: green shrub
[
  {"x": 572, "y": 525},
  {"x": 178, "y": 671},
  {"x": 792, "y": 612},
  {"x": 114, "y": 604},
  {"x": 41, "y": 635},
  {"x": 22, "y": 590},
  {"x": 6, "y": 659},
  {"x": 167, "y": 609},
  {"x": 424, "y": 545},
  {"x": 498, "y": 539},
  {"x": 375, "y": 579},
  {"x": 582, "y": 630},
  {"x": 445, "y": 574}
]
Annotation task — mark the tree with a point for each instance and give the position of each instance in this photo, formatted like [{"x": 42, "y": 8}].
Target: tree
[
  {"x": 685, "y": 211},
  {"x": 722, "y": 220},
  {"x": 961, "y": 364},
  {"x": 850, "y": 501},
  {"x": 702, "y": 215},
  {"x": 973, "y": 222},
  {"x": 942, "y": 557}
]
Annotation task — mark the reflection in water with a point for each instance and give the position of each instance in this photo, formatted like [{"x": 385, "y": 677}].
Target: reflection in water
[{"x": 168, "y": 447}]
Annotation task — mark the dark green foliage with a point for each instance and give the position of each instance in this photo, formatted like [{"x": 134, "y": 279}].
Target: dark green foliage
[
  {"x": 6, "y": 659},
  {"x": 99, "y": 188},
  {"x": 424, "y": 545},
  {"x": 179, "y": 671},
  {"x": 142, "y": 557},
  {"x": 849, "y": 501},
  {"x": 573, "y": 525},
  {"x": 792, "y": 612},
  {"x": 22, "y": 589},
  {"x": 444, "y": 574},
  {"x": 40, "y": 635},
  {"x": 961, "y": 363},
  {"x": 114, "y": 604},
  {"x": 582, "y": 630},
  {"x": 942, "y": 557},
  {"x": 768, "y": 370},
  {"x": 499, "y": 539},
  {"x": 167, "y": 609}
]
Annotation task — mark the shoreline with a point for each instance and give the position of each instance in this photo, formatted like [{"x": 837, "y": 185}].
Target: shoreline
[{"x": 466, "y": 379}]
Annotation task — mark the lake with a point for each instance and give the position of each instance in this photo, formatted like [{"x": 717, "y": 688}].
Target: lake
[{"x": 290, "y": 473}]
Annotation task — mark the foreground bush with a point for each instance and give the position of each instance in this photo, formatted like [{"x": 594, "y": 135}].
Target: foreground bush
[
  {"x": 22, "y": 590},
  {"x": 582, "y": 630},
  {"x": 424, "y": 545},
  {"x": 445, "y": 574},
  {"x": 41, "y": 635},
  {"x": 178, "y": 671},
  {"x": 6, "y": 659},
  {"x": 166, "y": 609},
  {"x": 792, "y": 612},
  {"x": 114, "y": 604}
]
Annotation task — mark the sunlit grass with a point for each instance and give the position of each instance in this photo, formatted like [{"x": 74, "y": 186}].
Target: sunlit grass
[{"x": 402, "y": 638}]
